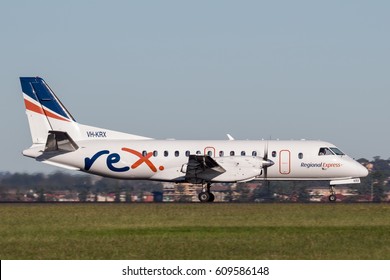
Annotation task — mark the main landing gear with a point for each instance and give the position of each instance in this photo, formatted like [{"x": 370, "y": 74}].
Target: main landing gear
[
  {"x": 205, "y": 195},
  {"x": 332, "y": 196}
]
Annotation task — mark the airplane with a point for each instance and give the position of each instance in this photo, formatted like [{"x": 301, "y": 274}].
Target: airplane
[{"x": 59, "y": 140}]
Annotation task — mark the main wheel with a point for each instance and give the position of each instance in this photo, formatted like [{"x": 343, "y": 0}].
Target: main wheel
[
  {"x": 332, "y": 198},
  {"x": 212, "y": 197},
  {"x": 204, "y": 197}
]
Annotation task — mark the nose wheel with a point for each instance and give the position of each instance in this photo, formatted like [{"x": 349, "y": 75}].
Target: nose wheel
[
  {"x": 332, "y": 196},
  {"x": 205, "y": 195}
]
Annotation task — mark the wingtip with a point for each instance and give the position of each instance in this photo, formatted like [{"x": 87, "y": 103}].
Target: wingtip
[{"x": 230, "y": 137}]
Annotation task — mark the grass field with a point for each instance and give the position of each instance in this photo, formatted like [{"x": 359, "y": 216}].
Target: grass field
[{"x": 195, "y": 231}]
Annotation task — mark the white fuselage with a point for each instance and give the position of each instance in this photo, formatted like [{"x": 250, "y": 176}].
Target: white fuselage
[{"x": 165, "y": 160}]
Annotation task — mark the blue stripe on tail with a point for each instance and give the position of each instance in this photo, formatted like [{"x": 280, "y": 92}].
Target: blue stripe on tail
[{"x": 37, "y": 89}]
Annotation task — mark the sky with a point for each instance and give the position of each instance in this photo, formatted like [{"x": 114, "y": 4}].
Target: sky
[{"x": 202, "y": 69}]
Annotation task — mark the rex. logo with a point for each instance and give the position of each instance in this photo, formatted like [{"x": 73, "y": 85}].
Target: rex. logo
[{"x": 114, "y": 158}]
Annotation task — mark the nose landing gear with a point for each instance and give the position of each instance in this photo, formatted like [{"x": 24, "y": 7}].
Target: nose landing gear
[{"x": 332, "y": 196}]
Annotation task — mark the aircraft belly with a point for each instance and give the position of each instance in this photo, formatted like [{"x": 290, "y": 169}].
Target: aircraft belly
[{"x": 302, "y": 178}]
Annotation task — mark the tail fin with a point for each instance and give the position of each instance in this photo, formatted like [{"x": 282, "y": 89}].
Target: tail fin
[{"x": 45, "y": 112}]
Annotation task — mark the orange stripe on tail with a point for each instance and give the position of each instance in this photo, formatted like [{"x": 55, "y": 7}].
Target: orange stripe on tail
[{"x": 38, "y": 109}]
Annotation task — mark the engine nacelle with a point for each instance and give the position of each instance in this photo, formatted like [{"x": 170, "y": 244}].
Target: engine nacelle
[{"x": 242, "y": 168}]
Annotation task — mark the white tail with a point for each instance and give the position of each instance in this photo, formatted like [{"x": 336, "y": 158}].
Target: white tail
[
  {"x": 46, "y": 113},
  {"x": 44, "y": 110}
]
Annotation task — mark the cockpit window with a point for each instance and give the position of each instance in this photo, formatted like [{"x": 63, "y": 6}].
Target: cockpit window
[
  {"x": 337, "y": 151},
  {"x": 325, "y": 152}
]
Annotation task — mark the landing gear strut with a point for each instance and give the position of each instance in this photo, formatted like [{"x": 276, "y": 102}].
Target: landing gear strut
[
  {"x": 332, "y": 196},
  {"x": 205, "y": 195}
]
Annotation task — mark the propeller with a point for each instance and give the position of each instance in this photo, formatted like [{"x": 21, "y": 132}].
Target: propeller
[{"x": 266, "y": 162}]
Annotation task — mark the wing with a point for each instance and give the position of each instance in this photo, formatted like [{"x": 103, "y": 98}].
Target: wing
[{"x": 205, "y": 169}]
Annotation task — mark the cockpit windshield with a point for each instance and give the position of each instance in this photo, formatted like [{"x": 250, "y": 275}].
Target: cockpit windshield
[
  {"x": 337, "y": 151},
  {"x": 325, "y": 151}
]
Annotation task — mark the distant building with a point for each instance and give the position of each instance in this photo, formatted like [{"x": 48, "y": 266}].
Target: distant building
[{"x": 180, "y": 192}]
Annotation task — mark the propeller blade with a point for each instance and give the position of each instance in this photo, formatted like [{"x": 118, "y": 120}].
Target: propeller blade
[
  {"x": 266, "y": 162},
  {"x": 265, "y": 159}
]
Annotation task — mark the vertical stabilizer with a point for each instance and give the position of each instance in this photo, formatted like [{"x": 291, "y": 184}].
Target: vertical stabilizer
[
  {"x": 46, "y": 113},
  {"x": 44, "y": 110}
]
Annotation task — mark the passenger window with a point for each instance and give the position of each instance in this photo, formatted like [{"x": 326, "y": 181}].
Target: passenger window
[
  {"x": 188, "y": 153},
  {"x": 210, "y": 153},
  {"x": 273, "y": 153},
  {"x": 221, "y": 153},
  {"x": 155, "y": 153},
  {"x": 243, "y": 153},
  {"x": 144, "y": 153},
  {"x": 300, "y": 156},
  {"x": 177, "y": 153},
  {"x": 198, "y": 152},
  {"x": 232, "y": 153},
  {"x": 254, "y": 154},
  {"x": 166, "y": 153}
]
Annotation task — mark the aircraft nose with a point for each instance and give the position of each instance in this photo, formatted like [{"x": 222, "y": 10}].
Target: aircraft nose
[{"x": 362, "y": 171}]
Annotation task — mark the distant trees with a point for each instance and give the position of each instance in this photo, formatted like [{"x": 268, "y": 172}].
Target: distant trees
[
  {"x": 127, "y": 197},
  {"x": 55, "y": 181},
  {"x": 264, "y": 192},
  {"x": 41, "y": 195},
  {"x": 83, "y": 195},
  {"x": 245, "y": 193},
  {"x": 41, "y": 187}
]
